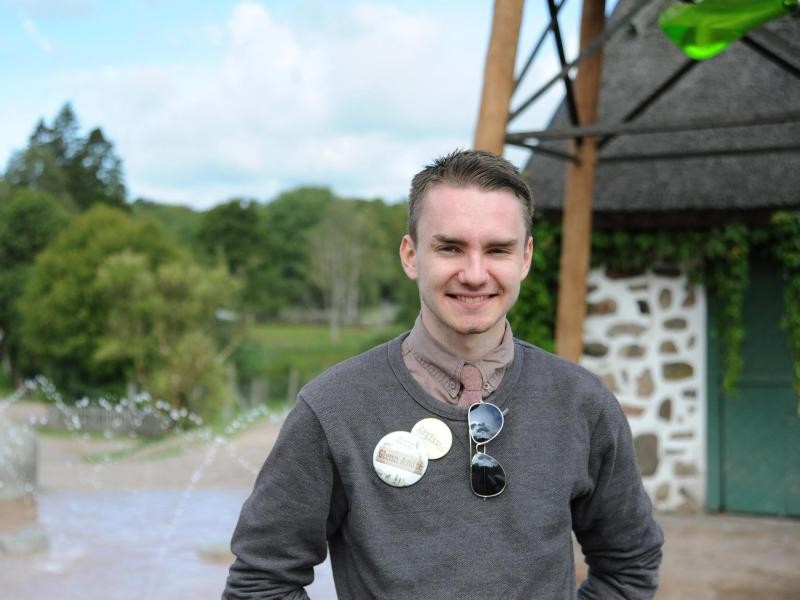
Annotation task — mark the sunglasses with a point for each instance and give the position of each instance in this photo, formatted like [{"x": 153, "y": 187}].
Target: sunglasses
[{"x": 487, "y": 476}]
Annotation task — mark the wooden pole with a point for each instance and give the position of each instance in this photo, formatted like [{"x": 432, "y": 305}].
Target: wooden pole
[
  {"x": 498, "y": 76},
  {"x": 577, "y": 220}
]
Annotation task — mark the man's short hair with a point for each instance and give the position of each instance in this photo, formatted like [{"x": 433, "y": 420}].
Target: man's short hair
[{"x": 469, "y": 168}]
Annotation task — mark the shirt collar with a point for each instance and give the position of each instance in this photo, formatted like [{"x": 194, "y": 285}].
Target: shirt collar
[{"x": 445, "y": 366}]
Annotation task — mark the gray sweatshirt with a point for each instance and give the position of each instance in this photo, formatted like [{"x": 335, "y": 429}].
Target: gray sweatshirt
[{"x": 568, "y": 455}]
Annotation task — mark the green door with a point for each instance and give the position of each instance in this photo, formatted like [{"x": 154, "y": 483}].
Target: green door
[{"x": 759, "y": 424}]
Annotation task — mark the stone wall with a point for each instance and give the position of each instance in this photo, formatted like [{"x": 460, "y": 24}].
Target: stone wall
[{"x": 645, "y": 336}]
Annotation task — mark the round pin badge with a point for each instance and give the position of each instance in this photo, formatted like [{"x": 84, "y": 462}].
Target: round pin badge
[
  {"x": 400, "y": 459},
  {"x": 436, "y": 436}
]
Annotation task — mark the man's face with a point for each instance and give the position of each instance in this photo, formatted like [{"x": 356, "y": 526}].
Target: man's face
[{"x": 471, "y": 254}]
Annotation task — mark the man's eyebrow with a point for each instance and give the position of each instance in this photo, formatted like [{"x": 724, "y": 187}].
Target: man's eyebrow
[
  {"x": 503, "y": 243},
  {"x": 444, "y": 239}
]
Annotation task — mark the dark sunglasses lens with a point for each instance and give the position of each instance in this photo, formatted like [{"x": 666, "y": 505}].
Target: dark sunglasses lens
[
  {"x": 488, "y": 477},
  {"x": 485, "y": 422}
]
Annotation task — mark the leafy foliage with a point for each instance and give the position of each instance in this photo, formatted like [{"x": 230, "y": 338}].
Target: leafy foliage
[
  {"x": 180, "y": 222},
  {"x": 287, "y": 273},
  {"x": 29, "y": 221},
  {"x": 114, "y": 300},
  {"x": 277, "y": 249},
  {"x": 786, "y": 249},
  {"x": 231, "y": 231},
  {"x": 64, "y": 314},
  {"x": 726, "y": 253},
  {"x": 718, "y": 258},
  {"x": 95, "y": 173},
  {"x": 338, "y": 255},
  {"x": 533, "y": 316},
  {"x": 160, "y": 323},
  {"x": 79, "y": 171},
  {"x": 233, "y": 234},
  {"x": 383, "y": 277}
]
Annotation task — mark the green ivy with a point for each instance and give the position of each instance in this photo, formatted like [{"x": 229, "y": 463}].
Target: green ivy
[
  {"x": 716, "y": 258},
  {"x": 786, "y": 250},
  {"x": 533, "y": 316}
]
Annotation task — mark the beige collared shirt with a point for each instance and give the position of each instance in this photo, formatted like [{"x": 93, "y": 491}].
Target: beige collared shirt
[{"x": 438, "y": 371}]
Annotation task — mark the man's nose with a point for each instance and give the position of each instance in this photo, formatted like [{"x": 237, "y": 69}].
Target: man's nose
[{"x": 473, "y": 272}]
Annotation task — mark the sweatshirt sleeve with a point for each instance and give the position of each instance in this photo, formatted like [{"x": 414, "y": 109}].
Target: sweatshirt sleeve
[
  {"x": 613, "y": 521},
  {"x": 284, "y": 525}
]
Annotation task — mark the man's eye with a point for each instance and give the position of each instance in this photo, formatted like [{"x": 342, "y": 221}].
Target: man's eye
[
  {"x": 448, "y": 249},
  {"x": 500, "y": 251}
]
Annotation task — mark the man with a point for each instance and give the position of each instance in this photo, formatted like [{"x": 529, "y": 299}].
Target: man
[{"x": 461, "y": 515}]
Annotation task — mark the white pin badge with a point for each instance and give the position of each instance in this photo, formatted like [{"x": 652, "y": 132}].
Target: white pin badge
[
  {"x": 436, "y": 436},
  {"x": 400, "y": 459}
]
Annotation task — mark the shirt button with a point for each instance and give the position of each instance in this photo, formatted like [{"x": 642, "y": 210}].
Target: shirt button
[
  {"x": 486, "y": 386},
  {"x": 452, "y": 385}
]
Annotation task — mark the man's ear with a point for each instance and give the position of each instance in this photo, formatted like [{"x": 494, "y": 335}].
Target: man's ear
[
  {"x": 527, "y": 257},
  {"x": 408, "y": 257}
]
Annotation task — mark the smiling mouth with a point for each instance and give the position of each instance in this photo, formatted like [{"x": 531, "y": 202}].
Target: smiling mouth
[{"x": 472, "y": 299}]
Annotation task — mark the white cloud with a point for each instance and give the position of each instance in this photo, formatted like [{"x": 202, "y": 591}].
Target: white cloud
[
  {"x": 359, "y": 102},
  {"x": 30, "y": 28}
]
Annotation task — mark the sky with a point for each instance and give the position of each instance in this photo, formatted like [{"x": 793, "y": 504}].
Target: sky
[{"x": 210, "y": 100}]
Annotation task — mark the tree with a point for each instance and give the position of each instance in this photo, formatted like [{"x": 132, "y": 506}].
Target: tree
[
  {"x": 286, "y": 275},
  {"x": 231, "y": 230},
  {"x": 338, "y": 255},
  {"x": 64, "y": 314},
  {"x": 78, "y": 171},
  {"x": 161, "y": 323},
  {"x": 29, "y": 221},
  {"x": 181, "y": 222},
  {"x": 294, "y": 220},
  {"x": 38, "y": 168},
  {"x": 233, "y": 233},
  {"x": 383, "y": 279},
  {"x": 95, "y": 173},
  {"x": 115, "y": 301},
  {"x": 5, "y": 191}
]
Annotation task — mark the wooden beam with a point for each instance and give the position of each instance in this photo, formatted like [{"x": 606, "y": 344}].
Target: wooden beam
[
  {"x": 637, "y": 128},
  {"x": 586, "y": 51},
  {"x": 577, "y": 220},
  {"x": 498, "y": 76}
]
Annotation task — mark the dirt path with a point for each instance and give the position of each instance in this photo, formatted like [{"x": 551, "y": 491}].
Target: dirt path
[
  {"x": 201, "y": 460},
  {"x": 730, "y": 557},
  {"x": 705, "y": 556}
]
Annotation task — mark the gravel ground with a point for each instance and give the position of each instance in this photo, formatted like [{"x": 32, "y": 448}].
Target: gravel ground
[{"x": 705, "y": 556}]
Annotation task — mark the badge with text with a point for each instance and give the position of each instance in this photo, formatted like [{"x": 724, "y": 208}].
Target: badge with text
[
  {"x": 436, "y": 436},
  {"x": 400, "y": 459}
]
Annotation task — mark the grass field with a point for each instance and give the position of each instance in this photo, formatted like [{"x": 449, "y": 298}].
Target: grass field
[
  {"x": 282, "y": 357},
  {"x": 6, "y": 388}
]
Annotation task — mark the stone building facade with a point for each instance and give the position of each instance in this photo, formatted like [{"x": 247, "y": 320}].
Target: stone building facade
[{"x": 645, "y": 336}]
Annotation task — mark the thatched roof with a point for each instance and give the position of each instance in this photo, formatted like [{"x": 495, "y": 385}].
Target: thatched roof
[{"x": 688, "y": 190}]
